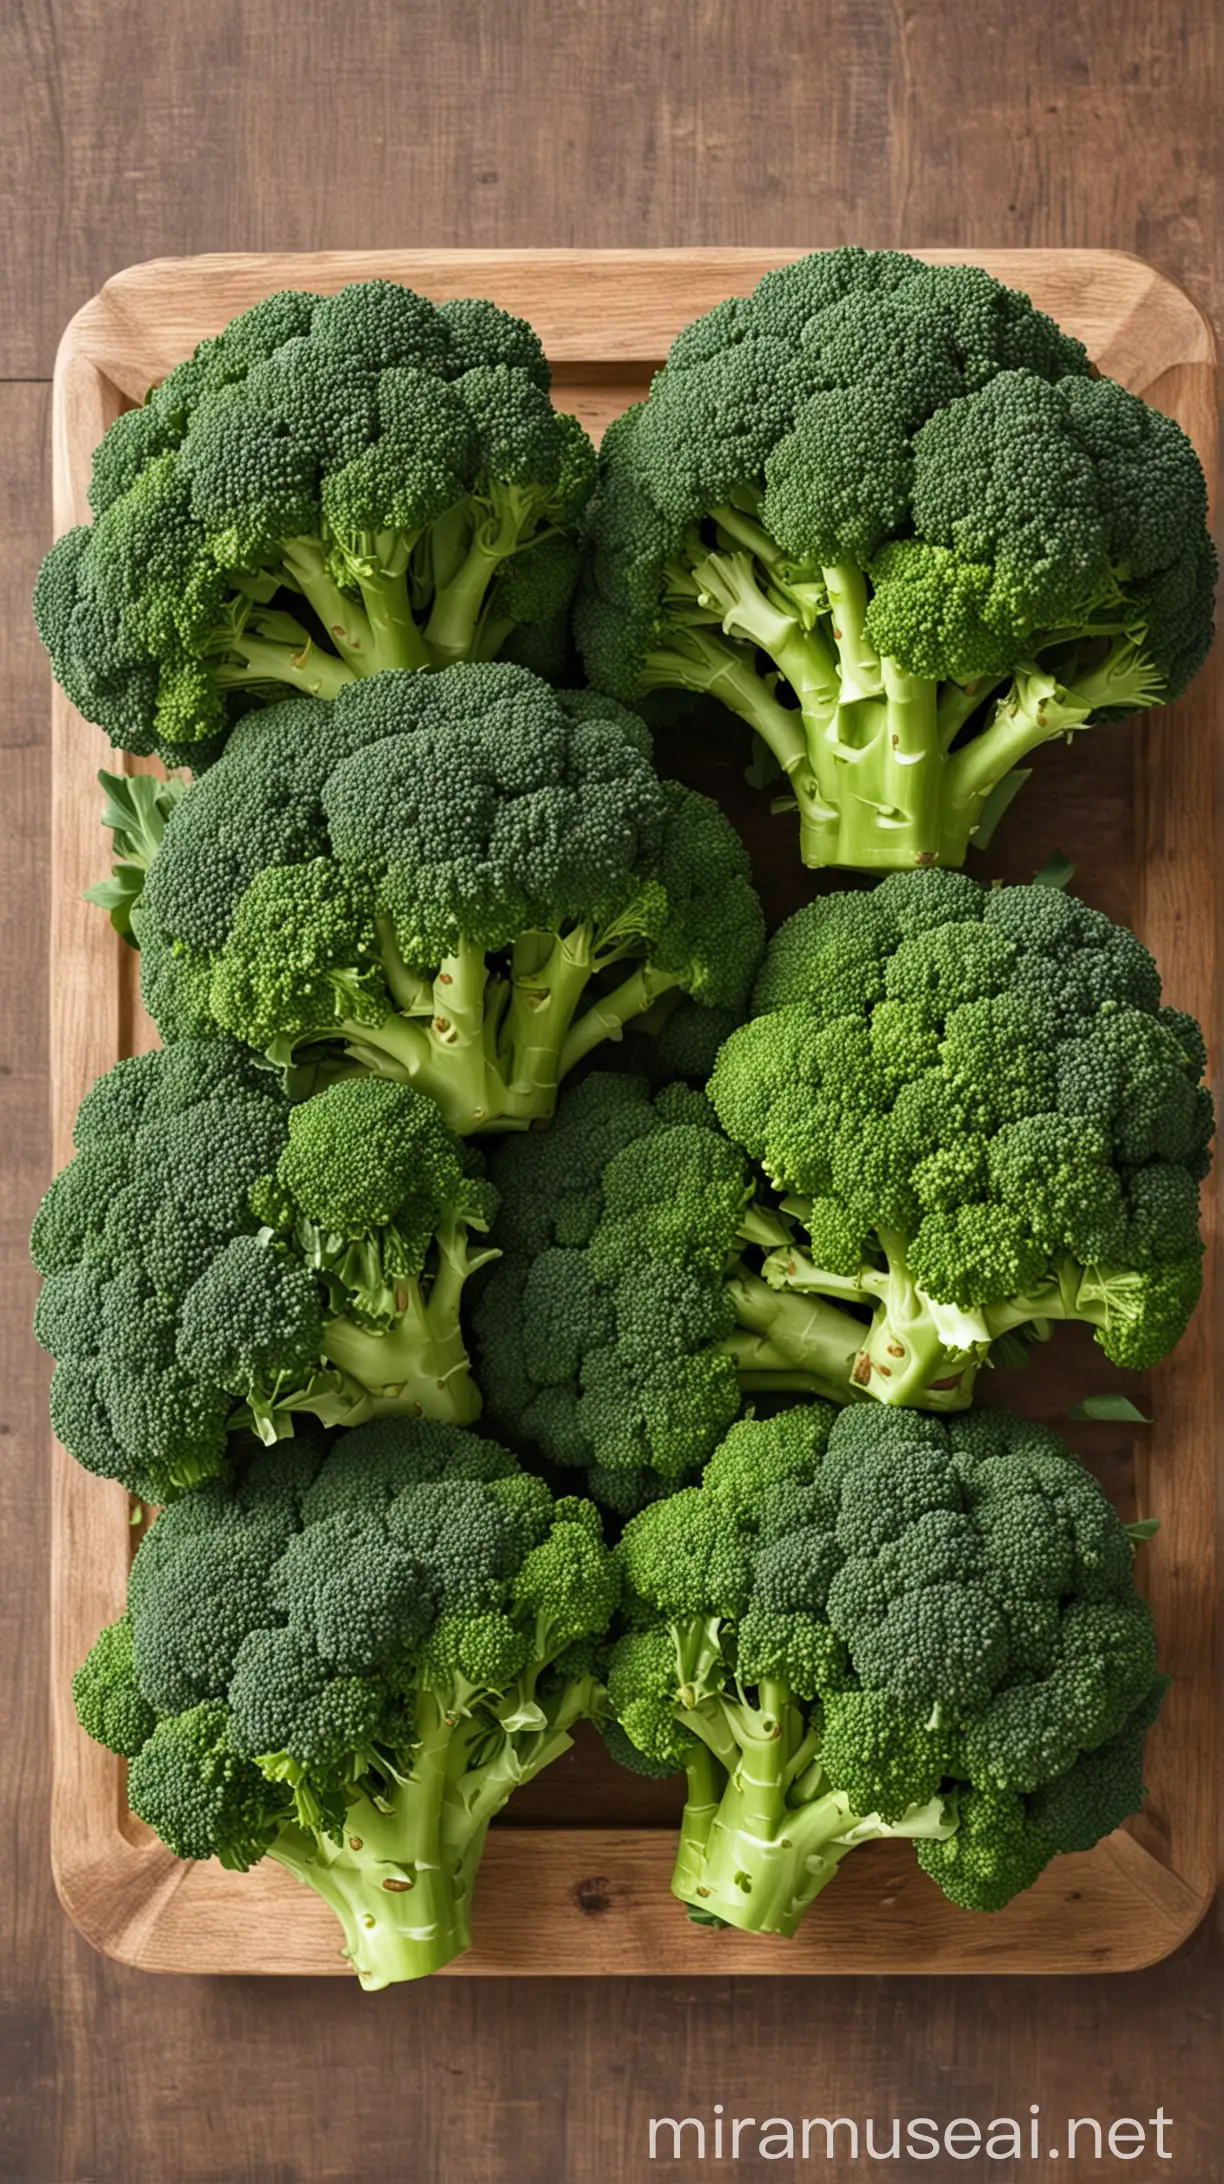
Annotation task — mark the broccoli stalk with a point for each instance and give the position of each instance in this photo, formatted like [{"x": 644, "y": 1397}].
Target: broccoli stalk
[
  {"x": 786, "y": 1343},
  {"x": 492, "y": 1050},
  {"x": 871, "y": 1623},
  {"x": 886, "y": 514},
  {"x": 764, "y": 1830},
  {"x": 872, "y": 751},
  {"x": 483, "y": 877},
  {"x": 401, "y": 1873},
  {"x": 347, "y": 1657}
]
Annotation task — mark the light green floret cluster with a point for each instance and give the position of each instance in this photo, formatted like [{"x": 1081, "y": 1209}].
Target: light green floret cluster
[
  {"x": 865, "y": 1623},
  {"x": 347, "y": 1660},
  {"x": 464, "y": 882},
  {"x": 888, "y": 516},
  {"x": 980, "y": 1118}
]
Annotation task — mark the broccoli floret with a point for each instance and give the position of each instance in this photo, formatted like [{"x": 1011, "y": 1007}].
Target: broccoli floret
[
  {"x": 885, "y": 513},
  {"x": 333, "y": 486},
  {"x": 110, "y": 1705},
  {"x": 984, "y": 1119},
  {"x": 347, "y": 1661},
  {"x": 217, "y": 1262},
  {"x": 463, "y": 881},
  {"x": 626, "y": 1322},
  {"x": 869, "y": 1623}
]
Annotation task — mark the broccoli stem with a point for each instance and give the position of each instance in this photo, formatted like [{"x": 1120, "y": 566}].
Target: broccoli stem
[
  {"x": 916, "y": 1352},
  {"x": 779, "y": 1830},
  {"x": 459, "y": 602},
  {"x": 1035, "y": 709},
  {"x": 706, "y": 1784},
  {"x": 860, "y": 664},
  {"x": 258, "y": 660},
  {"x": 420, "y": 1368},
  {"x": 698, "y": 660},
  {"x": 607, "y": 1017},
  {"x": 758, "y": 1863},
  {"x": 809, "y": 1338},
  {"x": 346, "y": 622},
  {"x": 404, "y": 1910},
  {"x": 548, "y": 976},
  {"x": 396, "y": 639},
  {"x": 447, "y": 1053}
]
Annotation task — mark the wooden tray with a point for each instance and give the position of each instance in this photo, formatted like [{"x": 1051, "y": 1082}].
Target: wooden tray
[{"x": 1137, "y": 808}]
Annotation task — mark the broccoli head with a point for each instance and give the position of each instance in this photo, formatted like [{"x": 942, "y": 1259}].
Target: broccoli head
[
  {"x": 463, "y": 881},
  {"x": 625, "y": 1321},
  {"x": 874, "y": 1623},
  {"x": 332, "y": 486},
  {"x": 346, "y": 1659},
  {"x": 216, "y": 1262},
  {"x": 983, "y": 1119},
  {"x": 886, "y": 513}
]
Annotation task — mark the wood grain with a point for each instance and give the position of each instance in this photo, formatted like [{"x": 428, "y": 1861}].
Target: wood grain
[
  {"x": 144, "y": 130},
  {"x": 610, "y": 317}
]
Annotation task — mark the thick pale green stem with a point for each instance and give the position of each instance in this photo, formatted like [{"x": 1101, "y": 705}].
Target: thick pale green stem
[
  {"x": 304, "y": 667},
  {"x": 419, "y": 1368},
  {"x": 549, "y": 976},
  {"x": 857, "y": 656},
  {"x": 706, "y": 1784},
  {"x": 402, "y": 1914},
  {"x": 454, "y": 624},
  {"x": 812, "y": 1337},
  {"x": 344, "y": 619},
  {"x": 607, "y": 1017},
  {"x": 444, "y": 1054},
  {"x": 396, "y": 639}
]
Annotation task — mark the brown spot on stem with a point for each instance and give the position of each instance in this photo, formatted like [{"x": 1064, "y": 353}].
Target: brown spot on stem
[
  {"x": 354, "y": 1842},
  {"x": 445, "y": 979},
  {"x": 861, "y": 1374},
  {"x": 896, "y": 1349},
  {"x": 398, "y": 1888},
  {"x": 925, "y": 857}
]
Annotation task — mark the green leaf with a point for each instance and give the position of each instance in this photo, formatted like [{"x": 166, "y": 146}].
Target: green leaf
[
  {"x": 1116, "y": 1409},
  {"x": 1003, "y": 793},
  {"x": 135, "y": 809},
  {"x": 1057, "y": 871},
  {"x": 763, "y": 766},
  {"x": 1143, "y": 1528},
  {"x": 1009, "y": 1353}
]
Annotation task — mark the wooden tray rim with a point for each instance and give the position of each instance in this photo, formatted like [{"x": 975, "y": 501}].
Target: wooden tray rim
[{"x": 122, "y": 1889}]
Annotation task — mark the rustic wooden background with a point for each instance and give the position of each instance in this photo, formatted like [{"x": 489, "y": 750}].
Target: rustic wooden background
[{"x": 133, "y": 129}]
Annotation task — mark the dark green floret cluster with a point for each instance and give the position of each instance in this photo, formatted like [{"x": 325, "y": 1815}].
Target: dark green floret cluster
[
  {"x": 627, "y": 1320},
  {"x": 346, "y": 1659},
  {"x": 980, "y": 1118},
  {"x": 867, "y": 1623},
  {"x": 886, "y": 513},
  {"x": 217, "y": 1262},
  {"x": 332, "y": 486},
  {"x": 464, "y": 882}
]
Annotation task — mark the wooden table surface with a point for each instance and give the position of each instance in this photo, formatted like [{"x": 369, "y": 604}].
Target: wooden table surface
[{"x": 136, "y": 130}]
